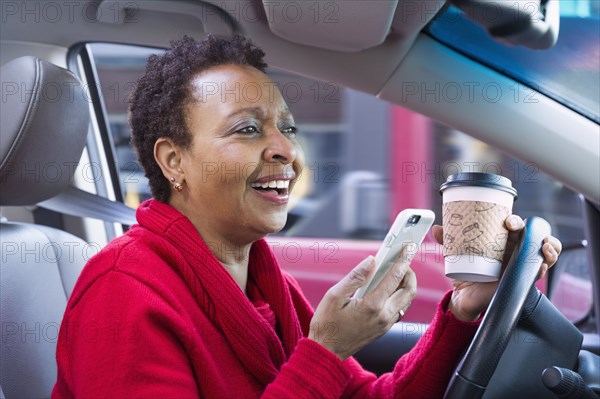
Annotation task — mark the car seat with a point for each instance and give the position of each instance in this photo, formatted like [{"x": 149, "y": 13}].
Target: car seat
[{"x": 45, "y": 120}]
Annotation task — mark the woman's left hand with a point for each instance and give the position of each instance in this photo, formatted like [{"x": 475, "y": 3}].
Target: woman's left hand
[{"x": 470, "y": 299}]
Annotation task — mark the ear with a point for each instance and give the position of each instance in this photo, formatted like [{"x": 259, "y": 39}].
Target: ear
[{"x": 168, "y": 156}]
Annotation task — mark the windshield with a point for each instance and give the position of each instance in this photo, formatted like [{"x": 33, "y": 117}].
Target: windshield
[{"x": 569, "y": 72}]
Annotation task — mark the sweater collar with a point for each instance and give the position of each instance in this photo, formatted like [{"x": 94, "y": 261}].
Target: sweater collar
[{"x": 251, "y": 336}]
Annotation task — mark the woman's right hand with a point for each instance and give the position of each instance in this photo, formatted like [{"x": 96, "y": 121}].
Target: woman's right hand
[{"x": 344, "y": 325}]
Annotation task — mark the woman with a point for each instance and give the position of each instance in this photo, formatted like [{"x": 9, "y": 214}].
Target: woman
[{"x": 191, "y": 302}]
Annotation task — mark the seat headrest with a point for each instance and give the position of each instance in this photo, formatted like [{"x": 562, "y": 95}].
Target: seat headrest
[{"x": 45, "y": 118}]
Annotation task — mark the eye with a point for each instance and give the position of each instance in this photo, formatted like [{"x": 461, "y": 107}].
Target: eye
[
  {"x": 290, "y": 130},
  {"x": 248, "y": 130}
]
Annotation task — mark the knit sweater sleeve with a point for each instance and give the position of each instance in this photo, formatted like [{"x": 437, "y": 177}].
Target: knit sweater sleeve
[{"x": 424, "y": 372}]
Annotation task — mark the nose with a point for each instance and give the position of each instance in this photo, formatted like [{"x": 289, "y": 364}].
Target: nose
[{"x": 279, "y": 147}]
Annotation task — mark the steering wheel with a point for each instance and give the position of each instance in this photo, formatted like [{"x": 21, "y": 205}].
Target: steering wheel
[{"x": 515, "y": 297}]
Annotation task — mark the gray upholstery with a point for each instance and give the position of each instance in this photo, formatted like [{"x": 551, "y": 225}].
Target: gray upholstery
[
  {"x": 39, "y": 265},
  {"x": 44, "y": 113}
]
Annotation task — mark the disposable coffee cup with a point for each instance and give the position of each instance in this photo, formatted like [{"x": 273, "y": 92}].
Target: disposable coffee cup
[{"x": 475, "y": 206}]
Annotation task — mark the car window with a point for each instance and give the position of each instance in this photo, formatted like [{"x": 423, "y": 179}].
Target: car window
[
  {"x": 569, "y": 72},
  {"x": 366, "y": 159}
]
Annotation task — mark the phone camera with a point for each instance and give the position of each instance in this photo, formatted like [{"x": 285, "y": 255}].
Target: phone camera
[{"x": 414, "y": 219}]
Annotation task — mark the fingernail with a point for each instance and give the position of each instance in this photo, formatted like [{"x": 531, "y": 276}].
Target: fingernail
[
  {"x": 512, "y": 221},
  {"x": 547, "y": 246}
]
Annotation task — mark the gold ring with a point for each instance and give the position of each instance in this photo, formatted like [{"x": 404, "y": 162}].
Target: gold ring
[{"x": 401, "y": 313}]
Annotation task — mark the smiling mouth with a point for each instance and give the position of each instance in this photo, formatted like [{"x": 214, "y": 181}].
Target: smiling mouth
[{"x": 278, "y": 187}]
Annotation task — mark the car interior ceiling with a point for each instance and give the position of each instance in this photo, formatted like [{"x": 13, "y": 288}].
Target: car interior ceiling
[{"x": 382, "y": 70}]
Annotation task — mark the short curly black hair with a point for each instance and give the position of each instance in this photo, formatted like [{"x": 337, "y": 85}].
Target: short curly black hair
[{"x": 158, "y": 103}]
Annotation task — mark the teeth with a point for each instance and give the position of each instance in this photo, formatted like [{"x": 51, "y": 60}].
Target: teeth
[{"x": 272, "y": 184}]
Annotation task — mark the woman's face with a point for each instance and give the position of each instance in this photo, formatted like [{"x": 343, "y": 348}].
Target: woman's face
[{"x": 244, "y": 158}]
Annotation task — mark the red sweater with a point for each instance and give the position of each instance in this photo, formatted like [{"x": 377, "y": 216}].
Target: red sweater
[{"x": 156, "y": 315}]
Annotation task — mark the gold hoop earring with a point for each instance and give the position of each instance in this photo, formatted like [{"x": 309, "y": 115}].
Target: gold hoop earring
[{"x": 176, "y": 186}]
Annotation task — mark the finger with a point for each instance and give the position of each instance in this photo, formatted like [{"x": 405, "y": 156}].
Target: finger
[
  {"x": 543, "y": 271},
  {"x": 551, "y": 249},
  {"x": 514, "y": 223},
  {"x": 402, "y": 298},
  {"x": 393, "y": 278},
  {"x": 357, "y": 277},
  {"x": 438, "y": 233},
  {"x": 555, "y": 242},
  {"x": 550, "y": 254}
]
